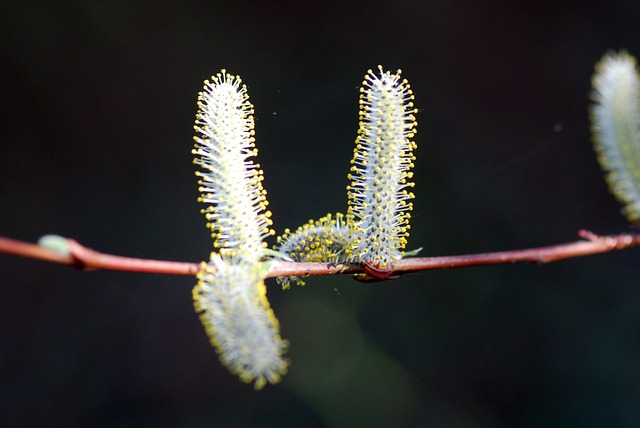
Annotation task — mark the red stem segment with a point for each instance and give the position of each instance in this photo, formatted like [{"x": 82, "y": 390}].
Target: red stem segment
[{"x": 88, "y": 259}]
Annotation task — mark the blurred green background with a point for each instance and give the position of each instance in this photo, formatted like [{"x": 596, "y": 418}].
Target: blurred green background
[{"x": 97, "y": 104}]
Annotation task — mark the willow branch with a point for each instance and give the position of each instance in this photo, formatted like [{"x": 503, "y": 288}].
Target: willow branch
[
  {"x": 88, "y": 259},
  {"x": 85, "y": 258}
]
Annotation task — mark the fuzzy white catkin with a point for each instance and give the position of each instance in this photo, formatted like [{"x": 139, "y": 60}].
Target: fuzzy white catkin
[
  {"x": 231, "y": 300},
  {"x": 379, "y": 202},
  {"x": 230, "y": 182},
  {"x": 615, "y": 117}
]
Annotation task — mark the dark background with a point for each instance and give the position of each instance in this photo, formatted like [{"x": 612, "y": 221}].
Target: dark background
[{"x": 97, "y": 104}]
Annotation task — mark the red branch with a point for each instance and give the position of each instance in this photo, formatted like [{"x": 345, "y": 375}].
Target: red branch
[{"x": 88, "y": 259}]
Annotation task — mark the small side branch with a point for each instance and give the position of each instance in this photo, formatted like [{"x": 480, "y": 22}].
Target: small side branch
[{"x": 85, "y": 258}]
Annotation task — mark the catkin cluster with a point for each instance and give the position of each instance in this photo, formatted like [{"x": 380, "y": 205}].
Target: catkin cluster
[{"x": 230, "y": 296}]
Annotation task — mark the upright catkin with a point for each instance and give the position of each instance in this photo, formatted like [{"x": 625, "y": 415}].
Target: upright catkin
[
  {"x": 378, "y": 196},
  {"x": 615, "y": 126}
]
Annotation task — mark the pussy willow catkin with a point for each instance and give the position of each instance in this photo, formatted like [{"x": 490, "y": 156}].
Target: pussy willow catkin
[
  {"x": 229, "y": 181},
  {"x": 324, "y": 240},
  {"x": 615, "y": 127},
  {"x": 232, "y": 303},
  {"x": 379, "y": 202},
  {"x": 230, "y": 295}
]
